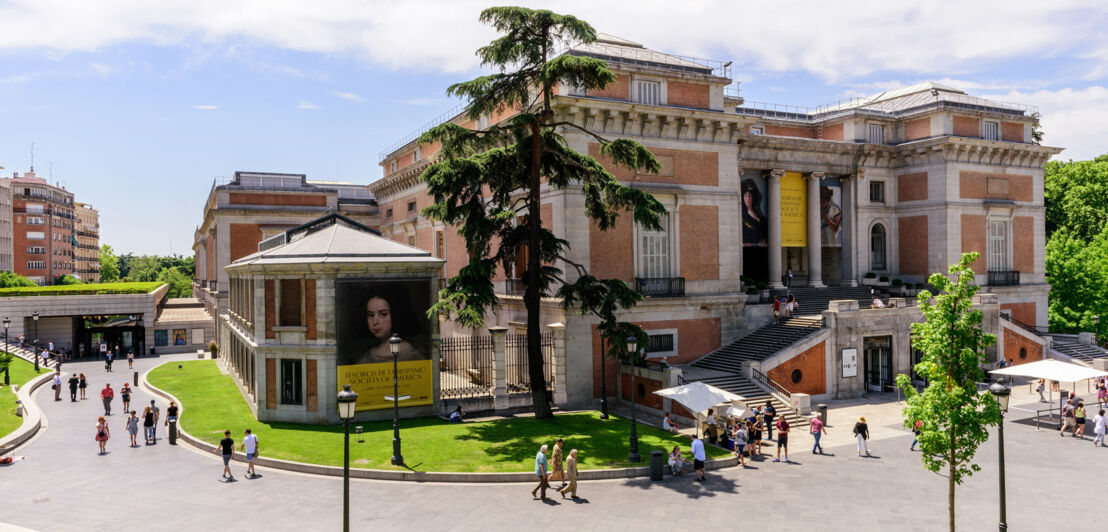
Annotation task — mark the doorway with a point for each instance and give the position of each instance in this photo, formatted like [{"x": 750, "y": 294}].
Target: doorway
[{"x": 878, "y": 353}]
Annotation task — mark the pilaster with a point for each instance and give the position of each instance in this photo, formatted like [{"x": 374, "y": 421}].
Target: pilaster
[
  {"x": 499, "y": 368},
  {"x": 774, "y": 202},
  {"x": 558, "y": 363},
  {"x": 815, "y": 244}
]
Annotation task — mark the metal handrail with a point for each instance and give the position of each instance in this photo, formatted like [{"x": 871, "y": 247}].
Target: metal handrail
[{"x": 775, "y": 388}]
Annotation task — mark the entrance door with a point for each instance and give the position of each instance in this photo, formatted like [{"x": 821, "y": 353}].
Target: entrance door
[{"x": 879, "y": 363}]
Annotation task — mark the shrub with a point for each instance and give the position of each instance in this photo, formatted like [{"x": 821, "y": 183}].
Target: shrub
[
  {"x": 871, "y": 275},
  {"x": 884, "y": 279},
  {"x": 898, "y": 282},
  {"x": 213, "y": 348}
]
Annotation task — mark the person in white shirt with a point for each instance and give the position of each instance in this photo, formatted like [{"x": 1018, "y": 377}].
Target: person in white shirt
[
  {"x": 699, "y": 458},
  {"x": 668, "y": 424},
  {"x": 57, "y": 382},
  {"x": 1098, "y": 428},
  {"x": 877, "y": 303},
  {"x": 250, "y": 447}
]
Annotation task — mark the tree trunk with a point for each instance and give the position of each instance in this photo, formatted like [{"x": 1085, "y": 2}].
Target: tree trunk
[
  {"x": 533, "y": 294},
  {"x": 952, "y": 484}
]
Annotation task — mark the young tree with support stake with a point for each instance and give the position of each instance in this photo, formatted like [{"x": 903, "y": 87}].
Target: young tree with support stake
[
  {"x": 955, "y": 417},
  {"x": 488, "y": 182}
]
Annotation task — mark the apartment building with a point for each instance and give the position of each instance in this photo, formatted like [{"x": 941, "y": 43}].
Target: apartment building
[
  {"x": 896, "y": 185},
  {"x": 87, "y": 250},
  {"x": 250, "y": 207},
  {"x": 42, "y": 228},
  {"x": 5, "y": 225}
]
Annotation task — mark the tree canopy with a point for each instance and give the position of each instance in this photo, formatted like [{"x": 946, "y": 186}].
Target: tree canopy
[
  {"x": 955, "y": 418},
  {"x": 487, "y": 182},
  {"x": 13, "y": 280},
  {"x": 109, "y": 264}
]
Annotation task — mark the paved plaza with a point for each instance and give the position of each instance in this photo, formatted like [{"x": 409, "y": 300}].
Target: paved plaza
[{"x": 63, "y": 485}]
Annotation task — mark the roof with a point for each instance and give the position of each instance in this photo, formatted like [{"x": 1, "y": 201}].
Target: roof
[
  {"x": 616, "y": 49},
  {"x": 338, "y": 243},
  {"x": 1052, "y": 370}
]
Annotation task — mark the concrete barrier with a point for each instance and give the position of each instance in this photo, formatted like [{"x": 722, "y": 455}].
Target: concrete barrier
[{"x": 32, "y": 414}]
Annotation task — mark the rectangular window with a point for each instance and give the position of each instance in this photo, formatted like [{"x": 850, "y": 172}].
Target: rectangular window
[
  {"x": 411, "y": 240},
  {"x": 660, "y": 343},
  {"x": 36, "y": 250},
  {"x": 877, "y": 191},
  {"x": 998, "y": 245},
  {"x": 161, "y": 338},
  {"x": 411, "y": 206},
  {"x": 36, "y": 265},
  {"x": 392, "y": 167},
  {"x": 417, "y": 154},
  {"x": 440, "y": 245},
  {"x": 875, "y": 134},
  {"x": 757, "y": 130},
  {"x": 34, "y": 208},
  {"x": 290, "y": 303},
  {"x": 36, "y": 220},
  {"x": 648, "y": 92},
  {"x": 990, "y": 130},
  {"x": 654, "y": 251},
  {"x": 388, "y": 213},
  {"x": 292, "y": 379},
  {"x": 483, "y": 122}
]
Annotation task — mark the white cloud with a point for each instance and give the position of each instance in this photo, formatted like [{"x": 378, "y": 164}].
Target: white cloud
[
  {"x": 348, "y": 96},
  {"x": 206, "y": 107},
  {"x": 306, "y": 105},
  {"x": 1074, "y": 119},
  {"x": 836, "y": 40},
  {"x": 101, "y": 69}
]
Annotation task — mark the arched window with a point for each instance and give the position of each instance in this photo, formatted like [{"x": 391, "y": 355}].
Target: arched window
[{"x": 877, "y": 248}]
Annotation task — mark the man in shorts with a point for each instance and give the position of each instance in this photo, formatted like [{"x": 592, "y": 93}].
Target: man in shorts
[
  {"x": 227, "y": 448},
  {"x": 250, "y": 447},
  {"x": 782, "y": 439},
  {"x": 699, "y": 458},
  {"x": 1067, "y": 418}
]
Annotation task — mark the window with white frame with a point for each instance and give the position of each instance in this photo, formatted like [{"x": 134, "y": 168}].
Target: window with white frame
[
  {"x": 36, "y": 220},
  {"x": 392, "y": 166},
  {"x": 990, "y": 130},
  {"x": 483, "y": 122},
  {"x": 36, "y": 235},
  {"x": 34, "y": 208},
  {"x": 654, "y": 251},
  {"x": 998, "y": 245},
  {"x": 36, "y": 265},
  {"x": 417, "y": 154},
  {"x": 757, "y": 130},
  {"x": 648, "y": 92},
  {"x": 662, "y": 343},
  {"x": 877, "y": 248},
  {"x": 875, "y": 133}
]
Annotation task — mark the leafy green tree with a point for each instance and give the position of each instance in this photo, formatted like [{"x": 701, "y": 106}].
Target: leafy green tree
[
  {"x": 1078, "y": 273},
  {"x": 14, "y": 280},
  {"x": 1076, "y": 197},
  {"x": 125, "y": 261},
  {"x": 955, "y": 417},
  {"x": 144, "y": 268},
  {"x": 180, "y": 285},
  {"x": 109, "y": 264},
  {"x": 487, "y": 182},
  {"x": 67, "y": 279}
]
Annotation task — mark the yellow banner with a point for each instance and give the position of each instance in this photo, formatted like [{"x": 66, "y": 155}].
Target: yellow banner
[
  {"x": 373, "y": 382},
  {"x": 794, "y": 210}
]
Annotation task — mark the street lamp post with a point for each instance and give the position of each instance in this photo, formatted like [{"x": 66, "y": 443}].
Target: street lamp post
[
  {"x": 632, "y": 350},
  {"x": 1002, "y": 393},
  {"x": 35, "y": 345},
  {"x": 394, "y": 346},
  {"x": 7, "y": 323},
  {"x": 346, "y": 399},
  {"x": 603, "y": 383}
]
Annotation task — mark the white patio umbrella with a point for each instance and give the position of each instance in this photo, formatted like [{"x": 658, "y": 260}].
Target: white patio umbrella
[
  {"x": 1052, "y": 370},
  {"x": 698, "y": 397}
]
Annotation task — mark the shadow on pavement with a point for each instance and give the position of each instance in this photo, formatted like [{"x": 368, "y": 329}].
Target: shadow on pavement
[{"x": 688, "y": 486}]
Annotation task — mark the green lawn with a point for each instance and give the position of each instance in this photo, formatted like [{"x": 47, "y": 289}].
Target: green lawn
[
  {"x": 81, "y": 289},
  {"x": 213, "y": 403},
  {"x": 19, "y": 372}
]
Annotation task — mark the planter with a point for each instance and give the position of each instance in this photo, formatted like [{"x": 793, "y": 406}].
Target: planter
[
  {"x": 881, "y": 283},
  {"x": 869, "y": 281}
]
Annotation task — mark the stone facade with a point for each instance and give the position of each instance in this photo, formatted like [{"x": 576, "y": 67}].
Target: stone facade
[{"x": 86, "y": 252}]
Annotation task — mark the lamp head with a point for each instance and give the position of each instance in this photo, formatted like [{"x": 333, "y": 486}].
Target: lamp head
[
  {"x": 1002, "y": 393},
  {"x": 35, "y": 315},
  {"x": 7, "y": 322},
  {"x": 632, "y": 344},
  {"x": 394, "y": 344},
  {"x": 346, "y": 399}
]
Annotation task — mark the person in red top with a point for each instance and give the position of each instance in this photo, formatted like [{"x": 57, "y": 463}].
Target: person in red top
[
  {"x": 776, "y": 309},
  {"x": 106, "y": 395},
  {"x": 818, "y": 429},
  {"x": 782, "y": 439}
]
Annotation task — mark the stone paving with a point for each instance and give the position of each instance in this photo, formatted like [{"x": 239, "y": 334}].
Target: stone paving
[{"x": 64, "y": 485}]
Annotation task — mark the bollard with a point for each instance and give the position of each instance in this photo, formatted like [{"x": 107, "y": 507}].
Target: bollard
[
  {"x": 173, "y": 432},
  {"x": 822, "y": 412},
  {"x": 657, "y": 462},
  {"x": 136, "y": 378},
  {"x": 358, "y": 432},
  {"x": 18, "y": 408}
]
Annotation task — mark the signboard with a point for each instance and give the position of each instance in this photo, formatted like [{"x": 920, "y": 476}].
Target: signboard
[
  {"x": 850, "y": 362},
  {"x": 794, "y": 212},
  {"x": 755, "y": 223},
  {"x": 830, "y": 213},
  {"x": 369, "y": 312}
]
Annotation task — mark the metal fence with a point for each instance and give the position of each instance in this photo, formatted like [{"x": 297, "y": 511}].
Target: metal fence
[
  {"x": 466, "y": 367},
  {"x": 519, "y": 377}
]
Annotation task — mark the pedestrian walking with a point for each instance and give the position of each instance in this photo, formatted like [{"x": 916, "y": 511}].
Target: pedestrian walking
[
  {"x": 82, "y": 385},
  {"x": 1079, "y": 420},
  {"x": 125, "y": 396},
  {"x": 102, "y": 434},
  {"x": 769, "y": 412},
  {"x": 817, "y": 429},
  {"x": 106, "y": 395},
  {"x": 56, "y": 384},
  {"x": 171, "y": 416},
  {"x": 74, "y": 382},
  {"x": 1101, "y": 393},
  {"x": 782, "y": 439},
  {"x": 789, "y": 279},
  {"x": 1039, "y": 388},
  {"x": 861, "y": 431},
  {"x": 571, "y": 473},
  {"x": 916, "y": 429},
  {"x": 698, "y": 459},
  {"x": 557, "y": 469},
  {"x": 777, "y": 310},
  {"x": 540, "y": 471},
  {"x": 1067, "y": 419},
  {"x": 739, "y": 435},
  {"x": 131, "y": 424},
  {"x": 250, "y": 447},
  {"x": 1098, "y": 428},
  {"x": 147, "y": 424},
  {"x": 227, "y": 448},
  {"x": 130, "y": 359},
  {"x": 154, "y": 427}
]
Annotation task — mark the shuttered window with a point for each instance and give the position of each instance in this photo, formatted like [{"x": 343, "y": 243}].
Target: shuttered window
[
  {"x": 998, "y": 245},
  {"x": 654, "y": 251},
  {"x": 648, "y": 92},
  {"x": 875, "y": 134},
  {"x": 290, "y": 303},
  {"x": 991, "y": 130}
]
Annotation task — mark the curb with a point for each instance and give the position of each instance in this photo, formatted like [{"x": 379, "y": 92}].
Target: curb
[
  {"x": 411, "y": 476},
  {"x": 32, "y": 414}
]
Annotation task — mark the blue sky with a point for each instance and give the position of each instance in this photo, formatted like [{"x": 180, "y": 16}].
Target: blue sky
[{"x": 139, "y": 106}]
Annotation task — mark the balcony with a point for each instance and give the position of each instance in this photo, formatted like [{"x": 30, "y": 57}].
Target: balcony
[
  {"x": 1004, "y": 278},
  {"x": 514, "y": 287},
  {"x": 661, "y": 286}
]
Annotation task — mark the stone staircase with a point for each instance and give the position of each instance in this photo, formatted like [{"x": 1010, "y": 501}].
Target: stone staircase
[
  {"x": 755, "y": 395},
  {"x": 1070, "y": 346},
  {"x": 813, "y": 301},
  {"x": 29, "y": 355},
  {"x": 760, "y": 344}
]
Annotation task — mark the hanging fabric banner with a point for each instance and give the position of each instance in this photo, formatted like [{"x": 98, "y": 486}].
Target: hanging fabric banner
[{"x": 794, "y": 210}]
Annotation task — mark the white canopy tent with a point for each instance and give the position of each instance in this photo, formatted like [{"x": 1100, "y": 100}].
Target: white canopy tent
[
  {"x": 698, "y": 397},
  {"x": 1052, "y": 370}
]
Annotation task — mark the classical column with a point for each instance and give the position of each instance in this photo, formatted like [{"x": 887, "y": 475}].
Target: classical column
[
  {"x": 499, "y": 368},
  {"x": 775, "y": 228},
  {"x": 815, "y": 245}
]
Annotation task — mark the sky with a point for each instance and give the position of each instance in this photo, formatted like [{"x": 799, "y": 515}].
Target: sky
[{"x": 137, "y": 107}]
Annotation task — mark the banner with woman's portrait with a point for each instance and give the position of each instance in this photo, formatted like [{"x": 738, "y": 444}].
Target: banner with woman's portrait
[
  {"x": 367, "y": 313},
  {"x": 755, "y": 222}
]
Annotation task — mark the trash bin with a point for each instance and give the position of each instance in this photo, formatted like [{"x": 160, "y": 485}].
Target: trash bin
[
  {"x": 173, "y": 432},
  {"x": 657, "y": 463},
  {"x": 136, "y": 379},
  {"x": 822, "y": 412}
]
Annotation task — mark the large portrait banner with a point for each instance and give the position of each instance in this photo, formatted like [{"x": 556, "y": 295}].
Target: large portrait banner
[
  {"x": 754, "y": 200},
  {"x": 830, "y": 213},
  {"x": 794, "y": 210},
  {"x": 367, "y": 314}
]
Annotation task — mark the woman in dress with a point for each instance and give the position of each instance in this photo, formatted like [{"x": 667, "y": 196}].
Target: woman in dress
[
  {"x": 102, "y": 434},
  {"x": 125, "y": 394},
  {"x": 754, "y": 221},
  {"x": 83, "y": 385},
  {"x": 131, "y": 424},
  {"x": 861, "y": 430}
]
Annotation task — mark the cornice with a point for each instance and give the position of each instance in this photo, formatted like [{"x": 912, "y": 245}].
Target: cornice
[{"x": 607, "y": 117}]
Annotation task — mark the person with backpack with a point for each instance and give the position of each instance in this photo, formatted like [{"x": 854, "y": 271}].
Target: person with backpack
[
  {"x": 861, "y": 431},
  {"x": 1067, "y": 419},
  {"x": 769, "y": 412}
]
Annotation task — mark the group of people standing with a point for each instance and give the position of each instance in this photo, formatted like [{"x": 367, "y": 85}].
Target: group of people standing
[
  {"x": 555, "y": 469},
  {"x": 786, "y": 304},
  {"x": 1074, "y": 416},
  {"x": 149, "y": 419}
]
